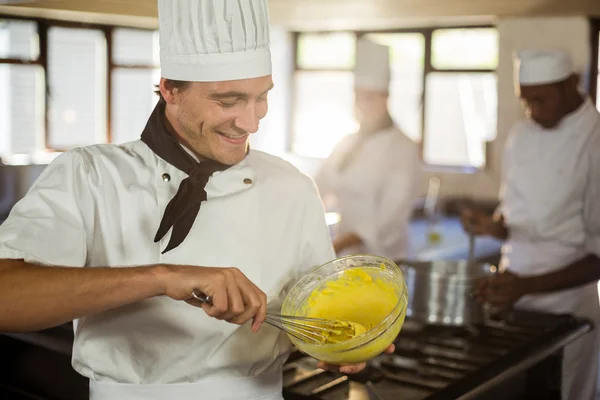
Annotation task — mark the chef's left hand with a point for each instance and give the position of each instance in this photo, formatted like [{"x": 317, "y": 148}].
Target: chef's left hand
[
  {"x": 350, "y": 368},
  {"x": 501, "y": 290}
]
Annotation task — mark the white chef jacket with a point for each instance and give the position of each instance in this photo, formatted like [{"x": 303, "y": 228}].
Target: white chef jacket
[
  {"x": 551, "y": 205},
  {"x": 101, "y": 206},
  {"x": 375, "y": 192}
]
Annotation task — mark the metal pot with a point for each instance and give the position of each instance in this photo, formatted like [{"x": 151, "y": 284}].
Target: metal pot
[{"x": 440, "y": 291}]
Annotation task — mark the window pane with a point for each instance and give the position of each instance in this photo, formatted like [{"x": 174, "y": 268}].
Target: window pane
[
  {"x": 19, "y": 39},
  {"x": 470, "y": 48},
  {"x": 406, "y": 88},
  {"x": 461, "y": 115},
  {"x": 77, "y": 80},
  {"x": 326, "y": 50},
  {"x": 133, "y": 100},
  {"x": 21, "y": 109},
  {"x": 135, "y": 47},
  {"x": 324, "y": 111}
]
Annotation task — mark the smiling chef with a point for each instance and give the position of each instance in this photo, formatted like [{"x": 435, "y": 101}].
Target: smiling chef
[
  {"x": 117, "y": 238},
  {"x": 550, "y": 209}
]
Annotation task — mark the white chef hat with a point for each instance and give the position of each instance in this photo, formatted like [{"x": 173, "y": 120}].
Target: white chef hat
[
  {"x": 214, "y": 40},
  {"x": 372, "y": 67},
  {"x": 541, "y": 67}
]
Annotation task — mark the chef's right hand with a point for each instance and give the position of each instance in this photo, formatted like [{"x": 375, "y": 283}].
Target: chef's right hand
[{"x": 234, "y": 297}]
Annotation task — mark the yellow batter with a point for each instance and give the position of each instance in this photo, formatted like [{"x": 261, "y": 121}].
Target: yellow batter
[{"x": 355, "y": 297}]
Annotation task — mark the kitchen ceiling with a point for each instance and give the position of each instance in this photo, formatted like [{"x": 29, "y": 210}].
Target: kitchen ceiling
[{"x": 329, "y": 14}]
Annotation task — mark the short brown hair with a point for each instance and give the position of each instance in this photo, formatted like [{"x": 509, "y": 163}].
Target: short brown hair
[{"x": 172, "y": 84}]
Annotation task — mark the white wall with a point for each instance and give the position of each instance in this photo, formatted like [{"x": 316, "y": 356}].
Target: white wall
[{"x": 570, "y": 33}]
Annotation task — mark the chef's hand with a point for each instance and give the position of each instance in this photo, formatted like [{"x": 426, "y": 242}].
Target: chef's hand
[
  {"x": 350, "y": 368},
  {"x": 476, "y": 222},
  {"x": 235, "y": 298},
  {"x": 500, "y": 291}
]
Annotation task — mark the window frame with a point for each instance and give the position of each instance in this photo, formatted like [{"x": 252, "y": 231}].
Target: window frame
[
  {"x": 43, "y": 25},
  {"x": 428, "y": 68},
  {"x": 595, "y": 59}
]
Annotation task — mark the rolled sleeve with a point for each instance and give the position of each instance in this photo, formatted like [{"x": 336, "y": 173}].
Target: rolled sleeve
[{"x": 46, "y": 226}]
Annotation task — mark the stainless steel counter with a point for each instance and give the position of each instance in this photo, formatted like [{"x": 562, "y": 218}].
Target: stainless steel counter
[
  {"x": 516, "y": 356},
  {"x": 430, "y": 362}
]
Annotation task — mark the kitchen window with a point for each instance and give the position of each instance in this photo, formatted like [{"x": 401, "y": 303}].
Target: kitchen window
[
  {"x": 22, "y": 78},
  {"x": 69, "y": 84},
  {"x": 77, "y": 78},
  {"x": 323, "y": 97},
  {"x": 134, "y": 73},
  {"x": 443, "y": 92}
]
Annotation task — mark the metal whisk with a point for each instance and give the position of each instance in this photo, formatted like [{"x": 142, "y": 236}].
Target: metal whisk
[{"x": 310, "y": 330}]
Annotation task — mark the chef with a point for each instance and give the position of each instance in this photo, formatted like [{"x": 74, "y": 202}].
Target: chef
[
  {"x": 117, "y": 238},
  {"x": 371, "y": 176},
  {"x": 550, "y": 209}
]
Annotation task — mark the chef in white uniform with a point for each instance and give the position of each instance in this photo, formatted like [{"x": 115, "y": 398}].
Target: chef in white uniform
[
  {"x": 117, "y": 238},
  {"x": 371, "y": 176},
  {"x": 550, "y": 209}
]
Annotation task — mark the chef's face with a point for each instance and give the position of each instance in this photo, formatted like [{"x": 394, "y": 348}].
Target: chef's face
[
  {"x": 548, "y": 104},
  {"x": 371, "y": 106},
  {"x": 216, "y": 119}
]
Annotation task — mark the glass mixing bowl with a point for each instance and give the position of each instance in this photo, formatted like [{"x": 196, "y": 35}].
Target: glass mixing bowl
[{"x": 359, "y": 348}]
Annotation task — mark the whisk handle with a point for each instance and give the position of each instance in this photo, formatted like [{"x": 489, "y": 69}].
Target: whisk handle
[{"x": 201, "y": 297}]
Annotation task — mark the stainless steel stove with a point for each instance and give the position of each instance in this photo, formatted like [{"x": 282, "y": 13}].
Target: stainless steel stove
[{"x": 434, "y": 362}]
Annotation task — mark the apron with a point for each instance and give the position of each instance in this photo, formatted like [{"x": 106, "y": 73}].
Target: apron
[
  {"x": 264, "y": 387},
  {"x": 546, "y": 175},
  {"x": 580, "y": 358}
]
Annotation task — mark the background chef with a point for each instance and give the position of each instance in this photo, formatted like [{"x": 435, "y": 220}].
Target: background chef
[
  {"x": 371, "y": 176},
  {"x": 550, "y": 209},
  {"x": 117, "y": 237}
]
